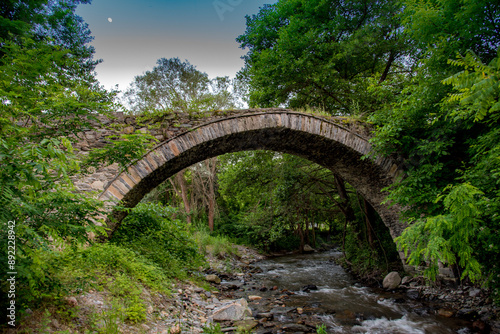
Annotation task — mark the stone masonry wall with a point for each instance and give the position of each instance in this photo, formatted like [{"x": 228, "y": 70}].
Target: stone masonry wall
[{"x": 162, "y": 128}]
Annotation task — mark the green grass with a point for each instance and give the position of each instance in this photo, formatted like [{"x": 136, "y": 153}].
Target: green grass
[{"x": 215, "y": 245}]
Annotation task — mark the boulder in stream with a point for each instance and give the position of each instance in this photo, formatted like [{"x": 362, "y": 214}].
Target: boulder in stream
[
  {"x": 309, "y": 287},
  {"x": 246, "y": 325},
  {"x": 308, "y": 249},
  {"x": 392, "y": 281},
  {"x": 236, "y": 310}
]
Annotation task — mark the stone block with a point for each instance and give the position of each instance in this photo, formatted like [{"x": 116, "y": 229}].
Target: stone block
[
  {"x": 97, "y": 185},
  {"x": 128, "y": 130}
]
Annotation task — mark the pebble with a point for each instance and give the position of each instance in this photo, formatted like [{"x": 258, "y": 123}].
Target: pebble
[
  {"x": 445, "y": 313},
  {"x": 474, "y": 293},
  {"x": 254, "y": 298}
]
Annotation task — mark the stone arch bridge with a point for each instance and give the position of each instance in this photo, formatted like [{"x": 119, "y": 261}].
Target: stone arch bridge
[{"x": 333, "y": 142}]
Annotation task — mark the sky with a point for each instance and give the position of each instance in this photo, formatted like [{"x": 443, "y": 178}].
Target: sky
[{"x": 131, "y": 35}]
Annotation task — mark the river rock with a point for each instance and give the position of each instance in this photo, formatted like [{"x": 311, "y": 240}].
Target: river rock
[
  {"x": 412, "y": 293},
  {"x": 237, "y": 310},
  {"x": 282, "y": 310},
  {"x": 71, "y": 301},
  {"x": 213, "y": 278},
  {"x": 245, "y": 325},
  {"x": 232, "y": 285},
  {"x": 474, "y": 293},
  {"x": 295, "y": 328},
  {"x": 405, "y": 280},
  {"x": 445, "y": 313},
  {"x": 175, "y": 329},
  {"x": 480, "y": 326},
  {"x": 308, "y": 288},
  {"x": 308, "y": 249},
  {"x": 266, "y": 315},
  {"x": 391, "y": 281},
  {"x": 254, "y": 298}
]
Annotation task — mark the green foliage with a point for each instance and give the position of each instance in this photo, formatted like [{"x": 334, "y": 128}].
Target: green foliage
[
  {"x": 321, "y": 329},
  {"x": 175, "y": 86},
  {"x": 215, "y": 245},
  {"x": 213, "y": 328},
  {"x": 111, "y": 319},
  {"x": 445, "y": 126},
  {"x": 447, "y": 238},
  {"x": 55, "y": 274},
  {"x": 47, "y": 95},
  {"x": 265, "y": 220},
  {"x": 124, "y": 149},
  {"x": 438, "y": 29},
  {"x": 477, "y": 88},
  {"x": 322, "y": 54},
  {"x": 38, "y": 114},
  {"x": 94, "y": 263},
  {"x": 150, "y": 232}
]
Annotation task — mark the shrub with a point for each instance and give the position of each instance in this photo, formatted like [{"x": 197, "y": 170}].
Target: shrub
[
  {"x": 149, "y": 231},
  {"x": 215, "y": 245}
]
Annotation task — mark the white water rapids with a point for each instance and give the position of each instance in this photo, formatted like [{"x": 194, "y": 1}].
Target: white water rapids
[{"x": 344, "y": 306}]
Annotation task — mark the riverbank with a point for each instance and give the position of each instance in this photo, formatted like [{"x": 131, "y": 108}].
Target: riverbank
[
  {"x": 232, "y": 296},
  {"x": 444, "y": 297}
]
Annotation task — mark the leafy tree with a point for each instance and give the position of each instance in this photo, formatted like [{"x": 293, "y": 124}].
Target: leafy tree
[
  {"x": 397, "y": 62},
  {"x": 192, "y": 191},
  {"x": 151, "y": 232},
  {"x": 445, "y": 124},
  {"x": 323, "y": 54},
  {"x": 55, "y": 20},
  {"x": 47, "y": 96},
  {"x": 174, "y": 85},
  {"x": 298, "y": 202}
]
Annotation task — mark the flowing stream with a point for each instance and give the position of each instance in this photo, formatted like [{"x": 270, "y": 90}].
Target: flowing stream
[{"x": 339, "y": 303}]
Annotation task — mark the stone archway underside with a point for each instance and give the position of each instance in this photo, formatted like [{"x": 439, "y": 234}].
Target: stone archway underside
[{"x": 319, "y": 140}]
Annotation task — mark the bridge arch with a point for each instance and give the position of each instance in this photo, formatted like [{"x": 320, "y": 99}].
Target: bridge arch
[{"x": 320, "y": 140}]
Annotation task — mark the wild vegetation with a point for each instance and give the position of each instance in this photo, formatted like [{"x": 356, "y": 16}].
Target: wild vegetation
[{"x": 424, "y": 73}]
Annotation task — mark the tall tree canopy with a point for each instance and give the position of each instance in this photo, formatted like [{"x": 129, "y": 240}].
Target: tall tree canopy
[
  {"x": 425, "y": 72},
  {"x": 48, "y": 93},
  {"x": 323, "y": 54},
  {"x": 445, "y": 124},
  {"x": 174, "y": 85}
]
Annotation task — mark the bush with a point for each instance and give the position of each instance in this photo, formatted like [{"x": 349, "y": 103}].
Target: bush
[
  {"x": 93, "y": 264},
  {"x": 149, "y": 231},
  {"x": 215, "y": 245}
]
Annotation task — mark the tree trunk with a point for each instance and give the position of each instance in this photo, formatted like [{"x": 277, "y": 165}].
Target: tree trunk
[
  {"x": 301, "y": 233},
  {"x": 369, "y": 219},
  {"x": 181, "y": 181},
  {"x": 211, "y": 166},
  {"x": 348, "y": 210},
  {"x": 313, "y": 235}
]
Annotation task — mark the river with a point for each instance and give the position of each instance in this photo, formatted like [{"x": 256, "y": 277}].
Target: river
[{"x": 339, "y": 303}]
